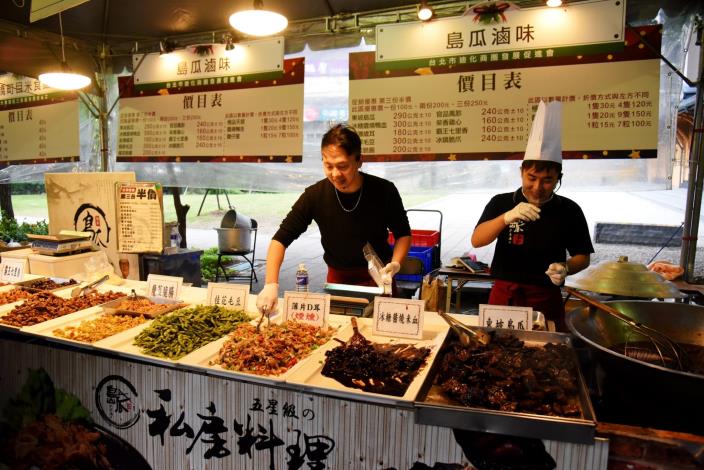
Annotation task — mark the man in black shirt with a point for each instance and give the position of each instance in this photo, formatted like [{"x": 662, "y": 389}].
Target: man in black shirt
[
  {"x": 534, "y": 228},
  {"x": 351, "y": 209}
]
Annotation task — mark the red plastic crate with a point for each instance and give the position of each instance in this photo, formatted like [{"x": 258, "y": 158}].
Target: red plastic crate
[{"x": 420, "y": 237}]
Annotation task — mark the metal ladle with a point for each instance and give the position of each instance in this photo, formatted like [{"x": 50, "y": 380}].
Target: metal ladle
[{"x": 464, "y": 332}]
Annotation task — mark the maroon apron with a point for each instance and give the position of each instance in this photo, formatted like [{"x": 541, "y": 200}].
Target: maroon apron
[
  {"x": 546, "y": 299},
  {"x": 355, "y": 277}
]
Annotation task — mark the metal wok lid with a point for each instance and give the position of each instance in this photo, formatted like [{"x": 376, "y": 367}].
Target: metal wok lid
[{"x": 624, "y": 278}]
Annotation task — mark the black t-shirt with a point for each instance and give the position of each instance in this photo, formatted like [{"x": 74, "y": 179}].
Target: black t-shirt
[
  {"x": 524, "y": 250},
  {"x": 342, "y": 233}
]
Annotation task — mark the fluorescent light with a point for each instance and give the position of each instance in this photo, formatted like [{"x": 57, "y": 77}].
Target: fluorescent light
[
  {"x": 554, "y": 3},
  {"x": 258, "y": 22}
]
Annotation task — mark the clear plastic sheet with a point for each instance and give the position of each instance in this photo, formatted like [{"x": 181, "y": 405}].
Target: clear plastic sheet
[{"x": 326, "y": 95}]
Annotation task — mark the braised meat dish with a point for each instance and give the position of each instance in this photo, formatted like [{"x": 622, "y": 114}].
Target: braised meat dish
[{"x": 506, "y": 375}]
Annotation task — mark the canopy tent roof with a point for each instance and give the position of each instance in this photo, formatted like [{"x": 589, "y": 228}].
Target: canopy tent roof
[{"x": 114, "y": 30}]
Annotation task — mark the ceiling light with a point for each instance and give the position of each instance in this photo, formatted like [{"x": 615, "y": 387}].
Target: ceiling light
[
  {"x": 258, "y": 22},
  {"x": 64, "y": 79},
  {"x": 424, "y": 11},
  {"x": 554, "y": 3}
]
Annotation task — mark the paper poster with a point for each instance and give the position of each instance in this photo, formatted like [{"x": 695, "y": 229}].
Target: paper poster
[
  {"x": 140, "y": 217},
  {"x": 86, "y": 202}
]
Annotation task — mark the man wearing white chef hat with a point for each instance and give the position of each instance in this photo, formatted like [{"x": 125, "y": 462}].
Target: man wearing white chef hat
[{"x": 534, "y": 228}]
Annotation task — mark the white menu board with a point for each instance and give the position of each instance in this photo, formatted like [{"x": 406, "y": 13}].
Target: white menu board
[
  {"x": 482, "y": 107},
  {"x": 140, "y": 218},
  {"x": 232, "y": 119}
]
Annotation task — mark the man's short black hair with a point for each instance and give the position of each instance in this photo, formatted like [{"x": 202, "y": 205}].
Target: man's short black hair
[
  {"x": 345, "y": 137},
  {"x": 542, "y": 165}
]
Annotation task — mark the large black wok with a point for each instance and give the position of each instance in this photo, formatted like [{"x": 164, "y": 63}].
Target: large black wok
[{"x": 636, "y": 392}]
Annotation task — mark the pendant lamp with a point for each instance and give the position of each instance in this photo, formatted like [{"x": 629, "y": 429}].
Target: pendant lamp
[
  {"x": 64, "y": 79},
  {"x": 258, "y": 21}
]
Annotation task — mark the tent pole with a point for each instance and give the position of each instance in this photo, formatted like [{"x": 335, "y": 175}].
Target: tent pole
[{"x": 696, "y": 172}]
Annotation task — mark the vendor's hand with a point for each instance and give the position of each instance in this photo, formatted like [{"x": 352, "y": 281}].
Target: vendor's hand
[
  {"x": 388, "y": 272},
  {"x": 557, "y": 273},
  {"x": 268, "y": 298},
  {"x": 523, "y": 211}
]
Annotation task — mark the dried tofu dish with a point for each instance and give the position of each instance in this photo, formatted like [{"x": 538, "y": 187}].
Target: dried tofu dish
[
  {"x": 272, "y": 350},
  {"x": 90, "y": 331}
]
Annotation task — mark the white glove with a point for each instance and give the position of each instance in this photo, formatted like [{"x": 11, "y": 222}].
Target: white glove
[
  {"x": 268, "y": 298},
  {"x": 557, "y": 273},
  {"x": 388, "y": 272},
  {"x": 523, "y": 211}
]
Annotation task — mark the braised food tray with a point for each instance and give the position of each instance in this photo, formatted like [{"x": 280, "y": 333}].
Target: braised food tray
[
  {"x": 310, "y": 378},
  {"x": 164, "y": 306},
  {"x": 435, "y": 408}
]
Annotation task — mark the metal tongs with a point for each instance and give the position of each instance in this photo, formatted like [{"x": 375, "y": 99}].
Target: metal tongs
[
  {"x": 265, "y": 313},
  {"x": 78, "y": 291},
  {"x": 462, "y": 330}
]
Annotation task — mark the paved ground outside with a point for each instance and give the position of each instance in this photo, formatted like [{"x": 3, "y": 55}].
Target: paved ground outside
[{"x": 460, "y": 214}]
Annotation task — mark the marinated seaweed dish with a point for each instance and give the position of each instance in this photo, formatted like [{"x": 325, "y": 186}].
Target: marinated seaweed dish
[{"x": 373, "y": 367}]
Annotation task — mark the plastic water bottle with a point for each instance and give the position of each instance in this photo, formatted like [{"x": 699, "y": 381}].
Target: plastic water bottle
[
  {"x": 175, "y": 237},
  {"x": 302, "y": 278}
]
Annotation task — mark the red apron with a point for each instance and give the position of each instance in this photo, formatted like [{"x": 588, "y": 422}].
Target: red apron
[
  {"x": 355, "y": 277},
  {"x": 546, "y": 299}
]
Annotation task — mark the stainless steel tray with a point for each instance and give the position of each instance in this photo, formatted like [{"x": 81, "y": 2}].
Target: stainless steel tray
[
  {"x": 27, "y": 285},
  {"x": 434, "y": 408},
  {"x": 169, "y": 306}
]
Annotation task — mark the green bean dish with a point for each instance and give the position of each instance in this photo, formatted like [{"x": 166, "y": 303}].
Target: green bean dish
[{"x": 183, "y": 331}]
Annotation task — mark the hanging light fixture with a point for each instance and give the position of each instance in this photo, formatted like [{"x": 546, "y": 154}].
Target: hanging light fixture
[
  {"x": 424, "y": 11},
  {"x": 554, "y": 3},
  {"x": 258, "y": 21},
  {"x": 65, "y": 79}
]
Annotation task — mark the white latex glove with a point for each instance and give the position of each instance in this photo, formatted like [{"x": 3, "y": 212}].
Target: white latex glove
[
  {"x": 523, "y": 211},
  {"x": 557, "y": 273},
  {"x": 388, "y": 272},
  {"x": 268, "y": 298}
]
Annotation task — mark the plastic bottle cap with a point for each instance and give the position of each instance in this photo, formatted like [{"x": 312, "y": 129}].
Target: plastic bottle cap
[{"x": 302, "y": 266}]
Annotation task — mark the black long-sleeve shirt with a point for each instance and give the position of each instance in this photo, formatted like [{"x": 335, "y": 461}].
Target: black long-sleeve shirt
[{"x": 342, "y": 233}]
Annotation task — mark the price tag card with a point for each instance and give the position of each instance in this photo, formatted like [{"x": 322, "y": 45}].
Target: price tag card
[
  {"x": 398, "y": 317},
  {"x": 11, "y": 270},
  {"x": 504, "y": 316},
  {"x": 165, "y": 287},
  {"x": 305, "y": 307},
  {"x": 233, "y": 296}
]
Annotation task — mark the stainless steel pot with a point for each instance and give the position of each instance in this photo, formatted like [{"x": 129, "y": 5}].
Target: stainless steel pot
[
  {"x": 648, "y": 395},
  {"x": 234, "y": 239}
]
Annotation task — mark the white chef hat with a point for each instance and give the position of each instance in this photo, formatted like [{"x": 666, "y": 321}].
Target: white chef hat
[{"x": 545, "y": 140}]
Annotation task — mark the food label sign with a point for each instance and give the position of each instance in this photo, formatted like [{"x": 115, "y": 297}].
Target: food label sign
[
  {"x": 503, "y": 316},
  {"x": 305, "y": 307},
  {"x": 228, "y": 295},
  {"x": 165, "y": 287},
  {"x": 11, "y": 270},
  {"x": 398, "y": 317}
]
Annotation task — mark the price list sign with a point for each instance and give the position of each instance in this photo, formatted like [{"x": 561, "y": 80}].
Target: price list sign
[
  {"x": 140, "y": 217},
  {"x": 240, "y": 119},
  {"x": 398, "y": 317},
  {"x": 305, "y": 307},
  {"x": 232, "y": 296},
  {"x": 483, "y": 107},
  {"x": 37, "y": 124}
]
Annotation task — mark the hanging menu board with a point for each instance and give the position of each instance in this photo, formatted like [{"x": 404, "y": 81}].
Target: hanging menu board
[
  {"x": 482, "y": 106},
  {"x": 37, "y": 124},
  {"x": 216, "y": 107},
  {"x": 140, "y": 217}
]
